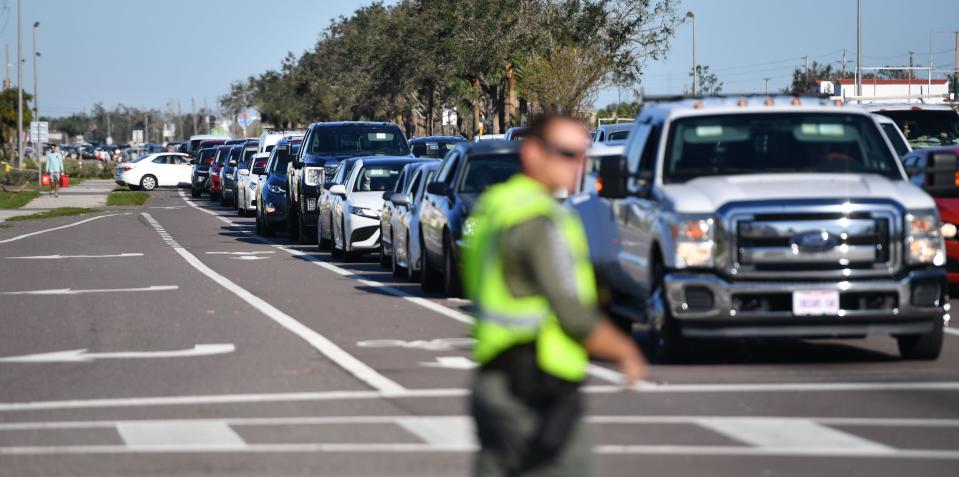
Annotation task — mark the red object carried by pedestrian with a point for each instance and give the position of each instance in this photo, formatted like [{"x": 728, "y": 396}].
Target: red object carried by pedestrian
[
  {"x": 64, "y": 181},
  {"x": 45, "y": 179}
]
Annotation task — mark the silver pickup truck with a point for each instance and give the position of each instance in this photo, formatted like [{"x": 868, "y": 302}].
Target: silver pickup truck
[{"x": 775, "y": 217}]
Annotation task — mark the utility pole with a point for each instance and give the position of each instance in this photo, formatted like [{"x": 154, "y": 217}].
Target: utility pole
[
  {"x": 766, "y": 88},
  {"x": 179, "y": 119},
  {"x": 844, "y": 61},
  {"x": 909, "y": 84},
  {"x": 20, "y": 84},
  {"x": 690, "y": 14},
  {"x": 193, "y": 115},
  {"x": 38, "y": 146},
  {"x": 146, "y": 128},
  {"x": 109, "y": 130},
  {"x": 859, "y": 50},
  {"x": 206, "y": 115},
  {"x": 7, "y": 84},
  {"x": 806, "y": 71}
]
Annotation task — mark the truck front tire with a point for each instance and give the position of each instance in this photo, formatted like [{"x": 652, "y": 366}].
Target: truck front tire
[{"x": 926, "y": 346}]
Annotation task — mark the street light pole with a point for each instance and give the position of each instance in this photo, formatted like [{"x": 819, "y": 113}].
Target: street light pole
[
  {"x": 859, "y": 50},
  {"x": 38, "y": 146},
  {"x": 690, "y": 14},
  {"x": 20, "y": 84}
]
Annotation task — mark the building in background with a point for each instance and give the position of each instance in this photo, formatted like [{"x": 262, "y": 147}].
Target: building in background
[{"x": 926, "y": 91}]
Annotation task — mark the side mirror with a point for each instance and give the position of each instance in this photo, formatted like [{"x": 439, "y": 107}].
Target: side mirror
[
  {"x": 193, "y": 161},
  {"x": 611, "y": 183},
  {"x": 232, "y": 164},
  {"x": 401, "y": 199},
  {"x": 388, "y": 195},
  {"x": 297, "y": 165},
  {"x": 244, "y": 172},
  {"x": 941, "y": 174},
  {"x": 328, "y": 184},
  {"x": 437, "y": 188},
  {"x": 338, "y": 189},
  {"x": 912, "y": 171}
]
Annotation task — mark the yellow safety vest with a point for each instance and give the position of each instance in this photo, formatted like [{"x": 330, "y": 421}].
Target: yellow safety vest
[{"x": 504, "y": 320}]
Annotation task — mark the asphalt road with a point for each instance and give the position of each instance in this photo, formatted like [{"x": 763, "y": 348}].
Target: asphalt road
[{"x": 169, "y": 340}]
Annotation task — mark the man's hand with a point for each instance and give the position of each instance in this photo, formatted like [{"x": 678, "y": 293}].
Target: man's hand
[{"x": 607, "y": 342}]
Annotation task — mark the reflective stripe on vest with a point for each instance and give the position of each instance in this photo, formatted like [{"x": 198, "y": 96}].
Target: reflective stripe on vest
[{"x": 505, "y": 320}]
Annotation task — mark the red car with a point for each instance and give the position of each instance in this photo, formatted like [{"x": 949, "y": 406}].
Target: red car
[
  {"x": 222, "y": 153},
  {"x": 935, "y": 170}
]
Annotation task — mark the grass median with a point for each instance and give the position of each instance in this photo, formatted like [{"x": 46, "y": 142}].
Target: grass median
[
  {"x": 49, "y": 214},
  {"x": 15, "y": 200},
  {"x": 127, "y": 197}
]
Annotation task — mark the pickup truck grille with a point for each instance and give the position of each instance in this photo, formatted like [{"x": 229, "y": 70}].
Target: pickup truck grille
[{"x": 815, "y": 244}]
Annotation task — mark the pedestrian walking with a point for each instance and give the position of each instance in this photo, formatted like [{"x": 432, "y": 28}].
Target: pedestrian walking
[
  {"x": 54, "y": 170},
  {"x": 527, "y": 268}
]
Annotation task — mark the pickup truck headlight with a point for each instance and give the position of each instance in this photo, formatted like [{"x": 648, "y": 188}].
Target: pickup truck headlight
[
  {"x": 695, "y": 242},
  {"x": 312, "y": 175},
  {"x": 275, "y": 189},
  {"x": 924, "y": 244},
  {"x": 364, "y": 212}
]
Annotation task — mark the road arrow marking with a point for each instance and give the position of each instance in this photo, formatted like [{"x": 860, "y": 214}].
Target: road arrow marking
[
  {"x": 81, "y": 355},
  {"x": 450, "y": 362},
  {"x": 60, "y": 257},
  {"x": 241, "y": 253},
  {"x": 70, "y": 291},
  {"x": 249, "y": 257}
]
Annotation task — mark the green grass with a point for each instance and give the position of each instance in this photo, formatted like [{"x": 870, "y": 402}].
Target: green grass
[
  {"x": 127, "y": 197},
  {"x": 58, "y": 212},
  {"x": 15, "y": 200}
]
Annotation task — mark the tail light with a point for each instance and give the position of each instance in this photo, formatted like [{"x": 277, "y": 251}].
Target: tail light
[{"x": 127, "y": 168}]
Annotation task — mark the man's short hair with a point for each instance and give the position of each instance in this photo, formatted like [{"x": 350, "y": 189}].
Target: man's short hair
[{"x": 542, "y": 122}]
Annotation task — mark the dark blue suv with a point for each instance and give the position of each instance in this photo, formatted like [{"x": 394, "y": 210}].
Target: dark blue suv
[
  {"x": 271, "y": 196},
  {"x": 324, "y": 146}
]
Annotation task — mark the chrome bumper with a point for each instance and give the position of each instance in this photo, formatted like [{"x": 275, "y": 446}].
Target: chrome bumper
[{"x": 724, "y": 319}]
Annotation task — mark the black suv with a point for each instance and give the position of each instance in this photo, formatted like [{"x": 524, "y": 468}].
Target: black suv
[{"x": 324, "y": 146}]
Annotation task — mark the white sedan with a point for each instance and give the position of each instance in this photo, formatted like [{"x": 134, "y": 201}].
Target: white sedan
[
  {"x": 163, "y": 169},
  {"x": 248, "y": 179}
]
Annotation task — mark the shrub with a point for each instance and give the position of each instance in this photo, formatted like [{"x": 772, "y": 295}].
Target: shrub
[
  {"x": 71, "y": 167},
  {"x": 108, "y": 170},
  {"x": 17, "y": 177},
  {"x": 89, "y": 169}
]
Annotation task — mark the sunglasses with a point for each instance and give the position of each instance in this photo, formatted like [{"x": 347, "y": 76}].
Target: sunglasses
[{"x": 568, "y": 154}]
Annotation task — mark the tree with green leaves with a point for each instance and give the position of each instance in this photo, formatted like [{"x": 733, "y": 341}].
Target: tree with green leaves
[{"x": 707, "y": 83}]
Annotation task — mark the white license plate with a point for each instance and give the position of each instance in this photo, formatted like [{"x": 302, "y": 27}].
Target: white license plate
[
  {"x": 310, "y": 204},
  {"x": 815, "y": 302}
]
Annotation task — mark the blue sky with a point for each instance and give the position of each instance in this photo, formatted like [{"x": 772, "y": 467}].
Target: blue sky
[{"x": 157, "y": 52}]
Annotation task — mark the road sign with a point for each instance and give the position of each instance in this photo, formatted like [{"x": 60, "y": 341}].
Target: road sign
[
  {"x": 169, "y": 130},
  {"x": 137, "y": 136},
  {"x": 246, "y": 118},
  {"x": 39, "y": 131}
]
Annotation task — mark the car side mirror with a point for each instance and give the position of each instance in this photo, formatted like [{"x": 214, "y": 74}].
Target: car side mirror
[
  {"x": 912, "y": 171},
  {"x": 437, "y": 188},
  {"x": 941, "y": 174},
  {"x": 232, "y": 163},
  {"x": 611, "y": 183},
  {"x": 388, "y": 195},
  {"x": 328, "y": 184},
  {"x": 401, "y": 199},
  {"x": 338, "y": 189},
  {"x": 193, "y": 161},
  {"x": 297, "y": 165}
]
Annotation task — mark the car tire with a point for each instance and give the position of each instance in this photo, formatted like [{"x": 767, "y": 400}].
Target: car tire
[
  {"x": 430, "y": 281},
  {"x": 387, "y": 261},
  {"x": 223, "y": 202},
  {"x": 411, "y": 275},
  {"x": 324, "y": 244},
  {"x": 307, "y": 235},
  {"x": 292, "y": 223},
  {"x": 666, "y": 342},
  {"x": 266, "y": 228},
  {"x": 397, "y": 270},
  {"x": 259, "y": 225},
  {"x": 148, "y": 182},
  {"x": 195, "y": 193},
  {"x": 926, "y": 346},
  {"x": 335, "y": 251},
  {"x": 451, "y": 274}
]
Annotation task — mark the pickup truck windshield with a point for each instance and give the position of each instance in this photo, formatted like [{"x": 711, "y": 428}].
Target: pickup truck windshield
[
  {"x": 483, "y": 171},
  {"x": 358, "y": 142},
  {"x": 926, "y": 127},
  {"x": 772, "y": 143}
]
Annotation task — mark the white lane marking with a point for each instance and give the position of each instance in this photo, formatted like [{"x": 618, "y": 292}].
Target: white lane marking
[
  {"x": 789, "y": 434},
  {"x": 450, "y": 362},
  {"x": 773, "y": 452},
  {"x": 62, "y": 257},
  {"x": 249, "y": 258},
  {"x": 241, "y": 253},
  {"x": 594, "y": 370},
  {"x": 74, "y": 224},
  {"x": 951, "y": 331},
  {"x": 438, "y": 344},
  {"x": 334, "y": 353},
  {"x": 154, "y": 434},
  {"x": 392, "y": 419},
  {"x": 81, "y": 355},
  {"x": 70, "y": 291},
  {"x": 797, "y": 387},
  {"x": 441, "y": 430}
]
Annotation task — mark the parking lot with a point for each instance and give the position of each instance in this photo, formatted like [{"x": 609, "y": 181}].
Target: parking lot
[{"x": 170, "y": 339}]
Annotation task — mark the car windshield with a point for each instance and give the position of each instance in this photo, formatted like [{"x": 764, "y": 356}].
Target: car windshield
[
  {"x": 432, "y": 148},
  {"x": 618, "y": 135},
  {"x": 235, "y": 154},
  {"x": 358, "y": 142},
  {"x": 483, "y": 171},
  {"x": 926, "y": 127},
  {"x": 378, "y": 178},
  {"x": 892, "y": 132},
  {"x": 772, "y": 143},
  {"x": 247, "y": 156},
  {"x": 207, "y": 156},
  {"x": 282, "y": 160}
]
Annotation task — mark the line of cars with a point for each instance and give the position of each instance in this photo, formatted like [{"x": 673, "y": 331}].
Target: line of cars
[{"x": 749, "y": 217}]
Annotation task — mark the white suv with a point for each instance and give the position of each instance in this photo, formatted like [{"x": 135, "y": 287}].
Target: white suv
[{"x": 775, "y": 217}]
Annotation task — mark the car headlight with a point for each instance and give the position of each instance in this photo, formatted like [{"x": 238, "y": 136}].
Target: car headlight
[
  {"x": 469, "y": 227},
  {"x": 312, "y": 175},
  {"x": 695, "y": 242},
  {"x": 924, "y": 242},
  {"x": 364, "y": 212},
  {"x": 275, "y": 189},
  {"x": 949, "y": 231}
]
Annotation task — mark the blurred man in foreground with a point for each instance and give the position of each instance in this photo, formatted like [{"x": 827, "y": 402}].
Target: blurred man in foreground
[{"x": 527, "y": 269}]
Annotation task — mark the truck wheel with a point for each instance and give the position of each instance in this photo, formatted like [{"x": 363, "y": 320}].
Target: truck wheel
[
  {"x": 665, "y": 337},
  {"x": 926, "y": 346},
  {"x": 307, "y": 234}
]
